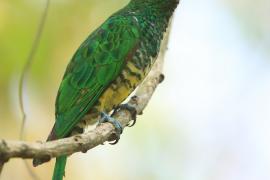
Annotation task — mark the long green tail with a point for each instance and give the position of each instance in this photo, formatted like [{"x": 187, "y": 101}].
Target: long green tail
[{"x": 59, "y": 168}]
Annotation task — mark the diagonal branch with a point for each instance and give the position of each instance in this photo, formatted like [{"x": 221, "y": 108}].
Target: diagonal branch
[{"x": 101, "y": 134}]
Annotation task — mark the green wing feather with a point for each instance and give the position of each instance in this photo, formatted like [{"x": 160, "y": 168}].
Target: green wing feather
[{"x": 97, "y": 62}]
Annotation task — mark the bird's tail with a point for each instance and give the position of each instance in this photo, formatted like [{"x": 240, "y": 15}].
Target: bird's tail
[
  {"x": 60, "y": 163},
  {"x": 59, "y": 168}
]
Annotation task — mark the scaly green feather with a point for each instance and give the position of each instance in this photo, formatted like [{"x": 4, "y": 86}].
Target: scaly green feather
[{"x": 98, "y": 61}]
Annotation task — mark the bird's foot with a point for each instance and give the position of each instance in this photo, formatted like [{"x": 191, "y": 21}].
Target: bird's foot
[
  {"x": 131, "y": 109},
  {"x": 117, "y": 125}
]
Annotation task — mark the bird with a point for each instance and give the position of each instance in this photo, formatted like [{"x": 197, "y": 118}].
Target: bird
[{"x": 106, "y": 68}]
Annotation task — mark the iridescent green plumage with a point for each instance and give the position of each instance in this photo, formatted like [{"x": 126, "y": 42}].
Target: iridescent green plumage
[
  {"x": 109, "y": 65},
  {"x": 95, "y": 65}
]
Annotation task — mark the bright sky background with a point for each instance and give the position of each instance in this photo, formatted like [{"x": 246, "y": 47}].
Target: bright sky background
[{"x": 218, "y": 84}]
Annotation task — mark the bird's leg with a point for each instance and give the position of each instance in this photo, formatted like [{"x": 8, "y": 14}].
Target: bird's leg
[
  {"x": 117, "y": 125},
  {"x": 131, "y": 109}
]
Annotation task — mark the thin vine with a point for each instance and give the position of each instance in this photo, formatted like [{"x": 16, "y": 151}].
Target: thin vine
[{"x": 22, "y": 80}]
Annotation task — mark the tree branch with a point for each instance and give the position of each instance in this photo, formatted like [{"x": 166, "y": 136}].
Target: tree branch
[
  {"x": 82, "y": 142},
  {"x": 86, "y": 141}
]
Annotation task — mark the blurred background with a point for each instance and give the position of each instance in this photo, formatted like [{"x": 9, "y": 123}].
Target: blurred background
[{"x": 209, "y": 120}]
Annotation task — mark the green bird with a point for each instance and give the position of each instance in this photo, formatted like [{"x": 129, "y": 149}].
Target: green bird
[{"x": 107, "y": 67}]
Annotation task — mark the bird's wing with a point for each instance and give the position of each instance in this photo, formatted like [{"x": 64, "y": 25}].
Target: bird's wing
[{"x": 97, "y": 62}]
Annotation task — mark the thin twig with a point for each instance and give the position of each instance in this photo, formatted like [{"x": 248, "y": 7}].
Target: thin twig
[
  {"x": 25, "y": 70},
  {"x": 28, "y": 64}
]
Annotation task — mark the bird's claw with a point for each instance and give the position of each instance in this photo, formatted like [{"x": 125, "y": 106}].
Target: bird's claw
[
  {"x": 131, "y": 109},
  {"x": 117, "y": 125}
]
